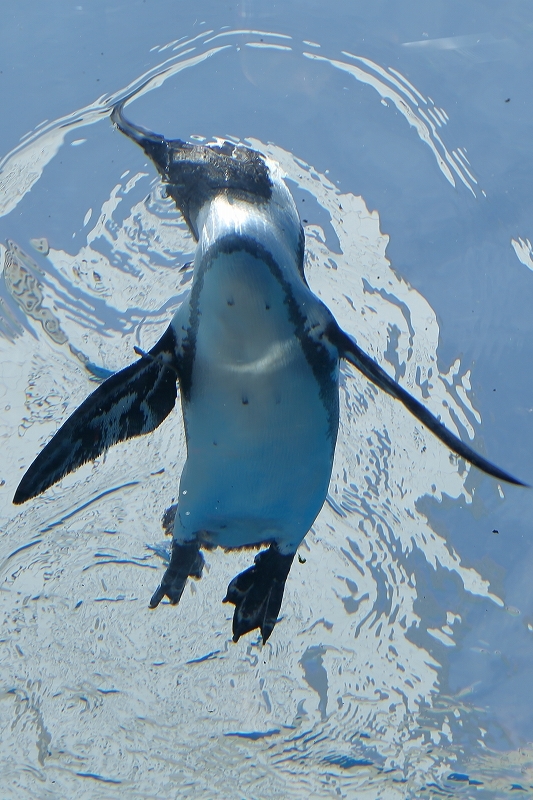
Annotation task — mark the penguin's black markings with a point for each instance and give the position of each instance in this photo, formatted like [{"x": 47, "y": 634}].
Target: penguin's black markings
[{"x": 256, "y": 356}]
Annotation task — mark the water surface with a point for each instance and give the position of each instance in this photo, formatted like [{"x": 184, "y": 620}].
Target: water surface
[{"x": 400, "y": 665}]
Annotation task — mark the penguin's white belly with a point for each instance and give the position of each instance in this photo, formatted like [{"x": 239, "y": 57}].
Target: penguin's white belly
[{"x": 258, "y": 432}]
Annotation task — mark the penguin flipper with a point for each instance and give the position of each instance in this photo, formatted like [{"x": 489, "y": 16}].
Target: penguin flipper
[
  {"x": 130, "y": 403},
  {"x": 352, "y": 353}
]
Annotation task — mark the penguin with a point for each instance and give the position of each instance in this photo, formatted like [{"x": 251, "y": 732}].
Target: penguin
[{"x": 256, "y": 356}]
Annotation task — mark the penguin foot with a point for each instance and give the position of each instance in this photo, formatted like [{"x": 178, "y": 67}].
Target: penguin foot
[
  {"x": 186, "y": 560},
  {"x": 257, "y": 593}
]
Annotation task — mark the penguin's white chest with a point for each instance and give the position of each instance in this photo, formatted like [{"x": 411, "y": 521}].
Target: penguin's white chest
[{"x": 258, "y": 431}]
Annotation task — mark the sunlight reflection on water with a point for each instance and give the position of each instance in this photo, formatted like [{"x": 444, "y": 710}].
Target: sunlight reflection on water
[{"x": 344, "y": 697}]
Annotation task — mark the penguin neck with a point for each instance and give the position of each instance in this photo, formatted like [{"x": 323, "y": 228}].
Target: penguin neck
[{"x": 270, "y": 227}]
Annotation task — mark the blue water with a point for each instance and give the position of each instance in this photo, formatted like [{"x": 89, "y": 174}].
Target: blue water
[{"x": 402, "y": 661}]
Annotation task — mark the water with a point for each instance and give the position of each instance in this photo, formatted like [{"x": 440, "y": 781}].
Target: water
[{"x": 400, "y": 665}]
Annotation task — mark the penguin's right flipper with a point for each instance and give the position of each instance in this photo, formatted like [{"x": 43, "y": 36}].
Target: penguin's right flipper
[
  {"x": 349, "y": 350},
  {"x": 131, "y": 402}
]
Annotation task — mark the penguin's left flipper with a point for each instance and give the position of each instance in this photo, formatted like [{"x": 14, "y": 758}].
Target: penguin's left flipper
[
  {"x": 131, "y": 402},
  {"x": 257, "y": 593},
  {"x": 350, "y": 351}
]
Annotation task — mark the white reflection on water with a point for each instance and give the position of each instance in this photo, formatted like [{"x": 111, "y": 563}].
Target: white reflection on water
[
  {"x": 524, "y": 251},
  {"x": 99, "y": 694}
]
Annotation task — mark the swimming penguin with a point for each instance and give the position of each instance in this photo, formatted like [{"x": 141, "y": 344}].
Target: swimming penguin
[{"x": 256, "y": 356}]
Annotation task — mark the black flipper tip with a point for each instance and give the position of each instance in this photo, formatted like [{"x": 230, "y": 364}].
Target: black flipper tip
[
  {"x": 349, "y": 350},
  {"x": 20, "y": 497},
  {"x": 509, "y": 479}
]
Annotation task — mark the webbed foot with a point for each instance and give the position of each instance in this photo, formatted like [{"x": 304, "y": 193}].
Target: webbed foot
[
  {"x": 186, "y": 560},
  {"x": 257, "y": 593}
]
